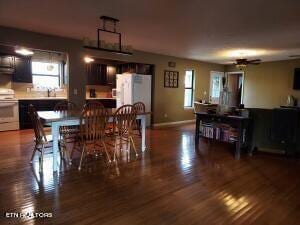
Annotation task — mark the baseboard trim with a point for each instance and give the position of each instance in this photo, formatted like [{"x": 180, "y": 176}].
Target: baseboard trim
[{"x": 173, "y": 123}]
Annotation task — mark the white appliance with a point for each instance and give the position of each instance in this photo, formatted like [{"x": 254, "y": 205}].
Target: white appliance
[
  {"x": 9, "y": 110},
  {"x": 132, "y": 88},
  {"x": 114, "y": 92}
]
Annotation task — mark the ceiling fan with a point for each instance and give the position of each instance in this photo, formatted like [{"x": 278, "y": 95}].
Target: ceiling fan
[{"x": 242, "y": 63}]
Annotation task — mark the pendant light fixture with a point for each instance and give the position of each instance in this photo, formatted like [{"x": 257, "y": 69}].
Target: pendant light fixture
[{"x": 106, "y": 20}]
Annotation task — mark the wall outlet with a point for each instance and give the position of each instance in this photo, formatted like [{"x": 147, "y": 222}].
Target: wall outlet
[
  {"x": 75, "y": 91},
  {"x": 165, "y": 115}
]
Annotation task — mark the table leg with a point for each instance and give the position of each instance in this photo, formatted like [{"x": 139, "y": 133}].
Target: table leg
[
  {"x": 197, "y": 130},
  {"x": 143, "y": 123},
  {"x": 239, "y": 142},
  {"x": 55, "y": 135},
  {"x": 238, "y": 150}
]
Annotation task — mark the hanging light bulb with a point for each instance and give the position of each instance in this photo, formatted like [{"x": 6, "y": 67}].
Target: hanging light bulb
[
  {"x": 241, "y": 66},
  {"x": 50, "y": 67}
]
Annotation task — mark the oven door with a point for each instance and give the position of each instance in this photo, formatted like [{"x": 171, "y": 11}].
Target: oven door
[{"x": 9, "y": 111}]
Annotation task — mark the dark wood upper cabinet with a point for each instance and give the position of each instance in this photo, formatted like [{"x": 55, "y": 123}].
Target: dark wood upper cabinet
[
  {"x": 104, "y": 72},
  {"x": 22, "y": 71},
  {"x": 6, "y": 61},
  {"x": 139, "y": 68},
  {"x": 7, "y": 64},
  {"x": 96, "y": 74},
  {"x": 112, "y": 71}
]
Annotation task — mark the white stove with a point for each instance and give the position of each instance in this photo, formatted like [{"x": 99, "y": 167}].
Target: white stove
[{"x": 9, "y": 110}]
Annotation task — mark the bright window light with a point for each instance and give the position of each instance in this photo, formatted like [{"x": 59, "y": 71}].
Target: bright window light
[{"x": 46, "y": 74}]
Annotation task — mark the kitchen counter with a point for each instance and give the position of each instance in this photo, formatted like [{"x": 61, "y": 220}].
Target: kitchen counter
[
  {"x": 99, "y": 98},
  {"x": 43, "y": 98},
  {"x": 40, "y": 104}
]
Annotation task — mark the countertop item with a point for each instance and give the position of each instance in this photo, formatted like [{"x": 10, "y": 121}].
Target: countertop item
[{"x": 92, "y": 93}]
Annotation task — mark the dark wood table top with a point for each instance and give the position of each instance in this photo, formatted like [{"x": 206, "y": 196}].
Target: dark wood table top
[{"x": 221, "y": 116}]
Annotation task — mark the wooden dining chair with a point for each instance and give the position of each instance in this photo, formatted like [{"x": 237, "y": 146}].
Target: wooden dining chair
[
  {"x": 92, "y": 131},
  {"x": 42, "y": 141},
  {"x": 124, "y": 119},
  {"x": 68, "y": 134},
  {"x": 139, "y": 108}
]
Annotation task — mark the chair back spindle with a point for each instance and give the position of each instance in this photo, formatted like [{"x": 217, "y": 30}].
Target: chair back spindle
[
  {"x": 139, "y": 107},
  {"x": 65, "y": 106},
  {"x": 93, "y": 122},
  {"x": 124, "y": 119},
  {"x": 37, "y": 125}
]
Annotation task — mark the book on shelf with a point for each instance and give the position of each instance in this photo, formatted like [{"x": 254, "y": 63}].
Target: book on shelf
[{"x": 219, "y": 131}]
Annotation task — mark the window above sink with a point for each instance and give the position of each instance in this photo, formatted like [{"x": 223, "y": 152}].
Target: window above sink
[{"x": 46, "y": 74}]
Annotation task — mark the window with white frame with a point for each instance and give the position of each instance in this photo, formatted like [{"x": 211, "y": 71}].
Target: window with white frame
[
  {"x": 46, "y": 74},
  {"x": 189, "y": 88}
]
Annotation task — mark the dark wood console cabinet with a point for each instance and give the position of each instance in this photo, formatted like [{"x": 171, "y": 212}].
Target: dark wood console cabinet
[{"x": 235, "y": 129}]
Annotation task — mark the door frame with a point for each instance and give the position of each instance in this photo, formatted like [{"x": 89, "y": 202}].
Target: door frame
[{"x": 243, "y": 81}]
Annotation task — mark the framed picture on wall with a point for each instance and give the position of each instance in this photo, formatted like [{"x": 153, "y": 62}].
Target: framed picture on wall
[{"x": 171, "y": 79}]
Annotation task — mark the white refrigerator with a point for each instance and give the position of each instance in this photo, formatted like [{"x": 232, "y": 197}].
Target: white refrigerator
[{"x": 132, "y": 88}]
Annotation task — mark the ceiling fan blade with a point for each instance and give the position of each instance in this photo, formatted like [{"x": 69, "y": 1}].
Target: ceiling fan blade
[
  {"x": 294, "y": 56},
  {"x": 254, "y": 61}
]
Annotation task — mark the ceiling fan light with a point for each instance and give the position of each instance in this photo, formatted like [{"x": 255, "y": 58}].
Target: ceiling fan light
[{"x": 240, "y": 66}]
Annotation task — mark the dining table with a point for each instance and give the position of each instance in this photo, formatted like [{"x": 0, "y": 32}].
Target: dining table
[{"x": 56, "y": 119}]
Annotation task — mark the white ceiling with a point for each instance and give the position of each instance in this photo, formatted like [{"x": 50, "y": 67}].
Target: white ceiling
[{"x": 198, "y": 29}]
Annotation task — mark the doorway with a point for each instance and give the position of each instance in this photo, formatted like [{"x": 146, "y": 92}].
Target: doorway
[
  {"x": 235, "y": 86},
  {"x": 234, "y": 83}
]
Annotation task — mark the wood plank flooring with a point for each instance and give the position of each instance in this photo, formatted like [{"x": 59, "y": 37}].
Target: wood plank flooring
[{"x": 171, "y": 183}]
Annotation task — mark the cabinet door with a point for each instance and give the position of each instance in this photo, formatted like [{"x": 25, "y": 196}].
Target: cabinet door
[
  {"x": 22, "y": 70},
  {"x": 96, "y": 74},
  {"x": 129, "y": 68},
  {"x": 107, "y": 103},
  {"x": 139, "y": 68},
  {"x": 102, "y": 74},
  {"x": 91, "y": 71},
  {"x": 7, "y": 61},
  {"x": 111, "y": 75}
]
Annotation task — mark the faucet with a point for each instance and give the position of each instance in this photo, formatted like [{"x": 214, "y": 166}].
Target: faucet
[{"x": 49, "y": 91}]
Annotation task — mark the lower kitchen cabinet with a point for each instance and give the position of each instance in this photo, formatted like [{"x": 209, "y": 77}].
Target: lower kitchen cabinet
[
  {"x": 40, "y": 105},
  {"x": 107, "y": 103}
]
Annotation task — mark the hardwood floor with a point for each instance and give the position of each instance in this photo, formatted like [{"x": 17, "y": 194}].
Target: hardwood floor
[{"x": 170, "y": 183}]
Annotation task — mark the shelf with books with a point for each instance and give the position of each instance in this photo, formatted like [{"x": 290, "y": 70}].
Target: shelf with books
[
  {"x": 219, "y": 131},
  {"x": 229, "y": 129}
]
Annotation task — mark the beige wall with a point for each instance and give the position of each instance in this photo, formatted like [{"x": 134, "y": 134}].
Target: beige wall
[
  {"x": 170, "y": 100},
  {"x": 167, "y": 100},
  {"x": 268, "y": 84}
]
